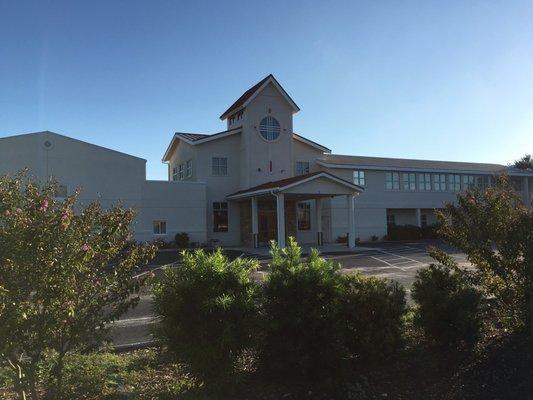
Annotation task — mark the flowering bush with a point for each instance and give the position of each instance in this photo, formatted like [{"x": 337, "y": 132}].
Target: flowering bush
[
  {"x": 63, "y": 275},
  {"x": 495, "y": 230}
]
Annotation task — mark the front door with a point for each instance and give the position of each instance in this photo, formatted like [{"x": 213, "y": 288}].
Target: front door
[{"x": 267, "y": 226}]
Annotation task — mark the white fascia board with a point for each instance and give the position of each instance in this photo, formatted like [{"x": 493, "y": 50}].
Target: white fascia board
[
  {"x": 403, "y": 169},
  {"x": 309, "y": 143},
  {"x": 323, "y": 175}
]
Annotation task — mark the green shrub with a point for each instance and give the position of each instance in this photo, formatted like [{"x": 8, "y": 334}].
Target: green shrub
[
  {"x": 86, "y": 376},
  {"x": 403, "y": 232},
  {"x": 182, "y": 240},
  {"x": 371, "y": 311},
  {"x": 207, "y": 309},
  {"x": 301, "y": 336},
  {"x": 449, "y": 305}
]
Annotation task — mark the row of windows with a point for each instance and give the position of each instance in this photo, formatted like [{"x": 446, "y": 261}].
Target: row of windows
[
  {"x": 220, "y": 218},
  {"x": 182, "y": 171},
  {"x": 409, "y": 181},
  {"x": 219, "y": 167}
]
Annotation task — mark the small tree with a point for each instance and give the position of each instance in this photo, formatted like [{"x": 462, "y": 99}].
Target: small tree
[
  {"x": 495, "y": 230},
  {"x": 525, "y": 163},
  {"x": 64, "y": 275}
]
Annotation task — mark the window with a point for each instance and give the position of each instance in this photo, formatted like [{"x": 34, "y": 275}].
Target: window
[
  {"x": 220, "y": 216},
  {"x": 304, "y": 216},
  {"x": 269, "y": 128},
  {"x": 181, "y": 168},
  {"x": 439, "y": 182},
  {"x": 482, "y": 181},
  {"x": 302, "y": 167},
  {"x": 189, "y": 168},
  {"x": 175, "y": 173},
  {"x": 424, "y": 181},
  {"x": 424, "y": 220},
  {"x": 468, "y": 182},
  {"x": 219, "y": 166},
  {"x": 160, "y": 227},
  {"x": 454, "y": 183},
  {"x": 391, "y": 220},
  {"x": 61, "y": 192},
  {"x": 392, "y": 181},
  {"x": 359, "y": 178},
  {"x": 409, "y": 181}
]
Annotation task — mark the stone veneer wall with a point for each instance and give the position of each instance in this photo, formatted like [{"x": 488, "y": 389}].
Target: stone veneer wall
[{"x": 246, "y": 223}]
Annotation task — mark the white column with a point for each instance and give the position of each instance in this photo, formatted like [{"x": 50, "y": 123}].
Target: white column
[
  {"x": 525, "y": 191},
  {"x": 351, "y": 220},
  {"x": 318, "y": 214},
  {"x": 255, "y": 225},
  {"x": 280, "y": 212},
  {"x": 418, "y": 218}
]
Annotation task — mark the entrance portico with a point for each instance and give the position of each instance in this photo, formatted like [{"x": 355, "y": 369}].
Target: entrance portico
[{"x": 280, "y": 197}]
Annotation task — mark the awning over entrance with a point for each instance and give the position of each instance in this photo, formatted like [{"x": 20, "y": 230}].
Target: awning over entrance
[{"x": 315, "y": 186}]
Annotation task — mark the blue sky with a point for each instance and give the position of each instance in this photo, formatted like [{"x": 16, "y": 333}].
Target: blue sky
[{"x": 428, "y": 79}]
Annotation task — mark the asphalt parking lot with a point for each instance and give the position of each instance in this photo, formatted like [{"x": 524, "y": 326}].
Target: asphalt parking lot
[{"x": 396, "y": 261}]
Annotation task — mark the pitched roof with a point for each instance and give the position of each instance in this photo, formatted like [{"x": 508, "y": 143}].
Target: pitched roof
[
  {"x": 343, "y": 161},
  {"x": 284, "y": 183},
  {"x": 311, "y": 142},
  {"x": 249, "y": 94}
]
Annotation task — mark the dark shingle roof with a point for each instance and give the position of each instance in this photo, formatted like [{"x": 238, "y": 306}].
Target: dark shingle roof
[
  {"x": 404, "y": 163},
  {"x": 245, "y": 96}
]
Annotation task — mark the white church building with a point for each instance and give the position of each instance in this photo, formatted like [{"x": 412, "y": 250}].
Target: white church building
[{"x": 258, "y": 180}]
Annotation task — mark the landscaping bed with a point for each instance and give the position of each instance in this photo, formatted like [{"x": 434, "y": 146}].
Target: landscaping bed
[{"x": 499, "y": 368}]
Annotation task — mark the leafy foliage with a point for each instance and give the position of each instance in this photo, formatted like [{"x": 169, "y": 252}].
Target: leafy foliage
[
  {"x": 64, "y": 275},
  {"x": 371, "y": 313},
  {"x": 207, "y": 309},
  {"x": 449, "y": 304},
  {"x": 301, "y": 336},
  {"x": 182, "y": 240},
  {"x": 495, "y": 230},
  {"x": 525, "y": 162}
]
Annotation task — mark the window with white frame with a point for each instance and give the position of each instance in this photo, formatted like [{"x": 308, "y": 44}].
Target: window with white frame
[
  {"x": 392, "y": 180},
  {"x": 302, "y": 167},
  {"x": 482, "y": 181},
  {"x": 189, "y": 168},
  {"x": 304, "y": 216},
  {"x": 409, "y": 181},
  {"x": 220, "y": 216},
  {"x": 174, "y": 173},
  {"x": 454, "y": 183},
  {"x": 181, "y": 172},
  {"x": 359, "y": 178},
  {"x": 219, "y": 166},
  {"x": 439, "y": 182},
  {"x": 391, "y": 219},
  {"x": 160, "y": 227},
  {"x": 424, "y": 182},
  {"x": 468, "y": 182}
]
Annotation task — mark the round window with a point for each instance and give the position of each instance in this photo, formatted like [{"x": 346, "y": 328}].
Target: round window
[{"x": 269, "y": 128}]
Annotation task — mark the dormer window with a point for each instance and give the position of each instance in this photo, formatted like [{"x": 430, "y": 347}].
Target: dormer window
[{"x": 269, "y": 128}]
